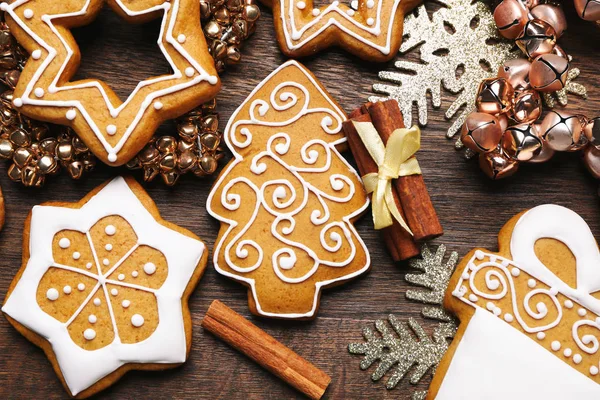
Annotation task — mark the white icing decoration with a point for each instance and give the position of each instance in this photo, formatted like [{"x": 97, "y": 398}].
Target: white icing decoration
[
  {"x": 110, "y": 230},
  {"x": 106, "y": 262},
  {"x": 301, "y": 5},
  {"x": 166, "y": 345},
  {"x": 149, "y": 268},
  {"x": 181, "y": 38},
  {"x": 64, "y": 243},
  {"x": 137, "y": 320},
  {"x": 354, "y": 4},
  {"x": 479, "y": 254},
  {"x": 38, "y": 92},
  {"x": 370, "y": 3},
  {"x": 497, "y": 311},
  {"x": 67, "y": 289},
  {"x": 134, "y": 274},
  {"x": 81, "y": 287},
  {"x": 541, "y": 335},
  {"x": 555, "y": 345},
  {"x": 593, "y": 370},
  {"x": 126, "y": 303},
  {"x": 531, "y": 283},
  {"x": 567, "y": 352},
  {"x": 28, "y": 13},
  {"x": 121, "y": 277},
  {"x": 89, "y": 265},
  {"x": 92, "y": 319},
  {"x": 114, "y": 291},
  {"x": 89, "y": 334},
  {"x": 577, "y": 358},
  {"x": 189, "y": 72},
  {"x": 509, "y": 318},
  {"x": 111, "y": 130},
  {"x": 158, "y": 105},
  {"x": 515, "y": 272},
  {"x": 581, "y": 312},
  {"x": 97, "y": 302},
  {"x": 370, "y": 21},
  {"x": 76, "y": 255},
  {"x": 568, "y": 304},
  {"x": 18, "y": 102},
  {"x": 315, "y": 12},
  {"x": 333, "y": 235},
  {"x": 166, "y": 35},
  {"x": 108, "y": 247},
  {"x": 36, "y": 54},
  {"x": 52, "y": 294},
  {"x": 473, "y": 298},
  {"x": 71, "y": 114}
]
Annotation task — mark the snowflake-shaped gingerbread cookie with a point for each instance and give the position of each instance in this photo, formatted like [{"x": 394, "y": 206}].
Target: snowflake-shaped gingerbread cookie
[
  {"x": 115, "y": 131},
  {"x": 105, "y": 283}
]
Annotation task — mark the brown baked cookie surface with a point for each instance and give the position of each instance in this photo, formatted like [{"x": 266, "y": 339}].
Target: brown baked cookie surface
[
  {"x": 104, "y": 286},
  {"x": 530, "y": 314},
  {"x": 288, "y": 200},
  {"x": 114, "y": 130}
]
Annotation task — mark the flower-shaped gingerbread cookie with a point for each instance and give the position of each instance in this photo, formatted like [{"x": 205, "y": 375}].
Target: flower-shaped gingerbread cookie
[
  {"x": 106, "y": 286},
  {"x": 115, "y": 131},
  {"x": 370, "y": 29}
]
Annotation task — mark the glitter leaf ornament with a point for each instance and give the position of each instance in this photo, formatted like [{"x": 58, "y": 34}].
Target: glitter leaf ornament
[{"x": 459, "y": 47}]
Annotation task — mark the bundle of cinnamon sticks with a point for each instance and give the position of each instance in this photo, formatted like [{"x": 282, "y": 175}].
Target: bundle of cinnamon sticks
[{"x": 410, "y": 193}]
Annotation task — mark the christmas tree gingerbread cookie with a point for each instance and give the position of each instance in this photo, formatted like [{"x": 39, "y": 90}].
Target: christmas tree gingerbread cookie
[
  {"x": 104, "y": 287},
  {"x": 115, "y": 131},
  {"x": 530, "y": 314},
  {"x": 288, "y": 199},
  {"x": 369, "y": 29}
]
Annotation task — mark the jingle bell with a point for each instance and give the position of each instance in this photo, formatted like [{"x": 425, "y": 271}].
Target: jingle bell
[
  {"x": 562, "y": 131},
  {"x": 589, "y": 10},
  {"x": 494, "y": 96},
  {"x": 553, "y": 16},
  {"x": 591, "y": 159},
  {"x": 591, "y": 131},
  {"x": 527, "y": 107},
  {"x": 537, "y": 38},
  {"x": 481, "y": 132},
  {"x": 521, "y": 142},
  {"x": 547, "y": 152},
  {"x": 516, "y": 72},
  {"x": 549, "y": 73},
  {"x": 510, "y": 18},
  {"x": 497, "y": 165}
]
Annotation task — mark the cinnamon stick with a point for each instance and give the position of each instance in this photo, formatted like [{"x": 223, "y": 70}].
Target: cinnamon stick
[
  {"x": 416, "y": 203},
  {"x": 278, "y": 359},
  {"x": 399, "y": 242}
]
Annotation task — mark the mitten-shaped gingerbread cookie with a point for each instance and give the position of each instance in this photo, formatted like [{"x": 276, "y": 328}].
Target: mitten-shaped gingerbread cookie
[
  {"x": 288, "y": 200},
  {"x": 530, "y": 314}
]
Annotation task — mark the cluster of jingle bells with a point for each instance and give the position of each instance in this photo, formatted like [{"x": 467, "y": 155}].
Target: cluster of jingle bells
[
  {"x": 227, "y": 23},
  {"x": 505, "y": 129}
]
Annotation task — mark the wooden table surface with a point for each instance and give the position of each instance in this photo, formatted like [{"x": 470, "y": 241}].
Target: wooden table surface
[{"x": 472, "y": 209}]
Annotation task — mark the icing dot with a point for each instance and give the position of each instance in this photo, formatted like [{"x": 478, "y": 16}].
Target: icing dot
[
  {"x": 92, "y": 318},
  {"x": 158, "y": 105},
  {"x": 316, "y": 12},
  {"x": 555, "y": 345},
  {"x": 473, "y": 298},
  {"x": 64, "y": 243},
  {"x": 531, "y": 283},
  {"x": 567, "y": 352},
  {"x": 137, "y": 320},
  {"x": 465, "y": 275},
  {"x": 354, "y": 4},
  {"x": 28, "y": 13},
  {"x": 36, "y": 54},
  {"x": 76, "y": 255},
  {"x": 88, "y": 265},
  {"x": 515, "y": 272},
  {"x": 134, "y": 274},
  {"x": 97, "y": 301},
  {"x": 52, "y": 294},
  {"x": 541, "y": 335},
  {"x": 81, "y": 287},
  {"x": 71, "y": 114},
  {"x": 181, "y": 38},
  {"x": 508, "y": 317},
  {"x": 114, "y": 291},
  {"x": 125, "y": 303},
  {"x": 497, "y": 311},
  {"x": 108, "y": 247},
  {"x": 111, "y": 130},
  {"x": 18, "y": 102},
  {"x": 110, "y": 230},
  {"x": 112, "y": 157},
  {"x": 105, "y": 261},
  {"x": 67, "y": 289},
  {"x": 350, "y": 12},
  {"x": 593, "y": 370},
  {"x": 568, "y": 304},
  {"x": 479, "y": 254},
  {"x": 490, "y": 306},
  {"x": 553, "y": 291},
  {"x": 581, "y": 312},
  {"x": 121, "y": 277},
  {"x": 149, "y": 268},
  {"x": 189, "y": 72},
  {"x": 301, "y": 5},
  {"x": 39, "y": 92},
  {"x": 370, "y": 4},
  {"x": 89, "y": 334},
  {"x": 577, "y": 358},
  {"x": 370, "y": 21}
]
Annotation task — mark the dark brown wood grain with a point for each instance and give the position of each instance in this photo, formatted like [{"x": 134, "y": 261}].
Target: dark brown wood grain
[{"x": 471, "y": 207}]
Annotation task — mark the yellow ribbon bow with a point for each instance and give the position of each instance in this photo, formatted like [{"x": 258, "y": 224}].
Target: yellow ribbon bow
[{"x": 397, "y": 159}]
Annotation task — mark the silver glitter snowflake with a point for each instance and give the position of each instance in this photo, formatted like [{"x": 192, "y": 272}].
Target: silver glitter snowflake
[{"x": 460, "y": 46}]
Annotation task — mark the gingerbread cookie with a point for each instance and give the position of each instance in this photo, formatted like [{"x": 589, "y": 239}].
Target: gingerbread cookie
[
  {"x": 104, "y": 287},
  {"x": 288, "y": 199},
  {"x": 370, "y": 29},
  {"x": 530, "y": 314},
  {"x": 115, "y": 131}
]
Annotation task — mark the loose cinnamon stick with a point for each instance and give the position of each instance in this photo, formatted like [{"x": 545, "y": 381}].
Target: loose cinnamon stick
[
  {"x": 399, "y": 242},
  {"x": 246, "y": 337},
  {"x": 416, "y": 203}
]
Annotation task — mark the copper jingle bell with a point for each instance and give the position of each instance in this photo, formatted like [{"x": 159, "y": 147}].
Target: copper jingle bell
[
  {"x": 503, "y": 119},
  {"x": 521, "y": 142},
  {"x": 562, "y": 131},
  {"x": 549, "y": 73},
  {"x": 530, "y": 3},
  {"x": 481, "y": 132},
  {"x": 510, "y": 18},
  {"x": 553, "y": 15},
  {"x": 494, "y": 96},
  {"x": 591, "y": 159},
  {"x": 497, "y": 165},
  {"x": 589, "y": 10},
  {"x": 527, "y": 107},
  {"x": 516, "y": 72},
  {"x": 547, "y": 152},
  {"x": 591, "y": 131},
  {"x": 537, "y": 38}
]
